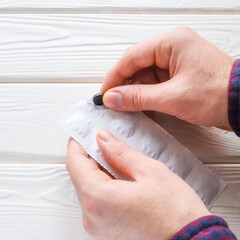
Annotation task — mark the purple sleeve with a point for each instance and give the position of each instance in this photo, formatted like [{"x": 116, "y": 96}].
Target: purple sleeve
[
  {"x": 205, "y": 228},
  {"x": 234, "y": 98}
]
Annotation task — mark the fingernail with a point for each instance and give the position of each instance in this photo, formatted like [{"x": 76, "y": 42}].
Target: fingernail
[
  {"x": 113, "y": 99},
  {"x": 105, "y": 136}
]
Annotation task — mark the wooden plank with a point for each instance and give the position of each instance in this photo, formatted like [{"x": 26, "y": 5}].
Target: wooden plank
[
  {"x": 28, "y": 120},
  {"x": 134, "y": 6},
  {"x": 39, "y": 202},
  {"x": 81, "y": 48},
  {"x": 210, "y": 145},
  {"x": 29, "y": 134}
]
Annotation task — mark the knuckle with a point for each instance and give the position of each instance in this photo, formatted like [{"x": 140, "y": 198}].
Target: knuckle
[
  {"x": 88, "y": 226},
  {"x": 69, "y": 144},
  {"x": 184, "y": 36},
  {"x": 184, "y": 33},
  {"x": 89, "y": 206},
  {"x": 184, "y": 29},
  {"x": 129, "y": 55},
  {"x": 118, "y": 70},
  {"x": 91, "y": 198},
  {"x": 129, "y": 49},
  {"x": 89, "y": 192},
  {"x": 68, "y": 164},
  {"x": 136, "y": 96},
  {"x": 122, "y": 151},
  {"x": 131, "y": 58}
]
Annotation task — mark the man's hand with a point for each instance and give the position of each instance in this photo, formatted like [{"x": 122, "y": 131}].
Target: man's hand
[
  {"x": 155, "y": 205},
  {"x": 178, "y": 73}
]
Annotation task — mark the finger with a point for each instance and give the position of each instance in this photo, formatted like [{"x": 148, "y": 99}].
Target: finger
[
  {"x": 82, "y": 170},
  {"x": 121, "y": 156},
  {"x": 144, "y": 76},
  {"x": 151, "y": 75},
  {"x": 156, "y": 51},
  {"x": 141, "y": 97},
  {"x": 162, "y": 74}
]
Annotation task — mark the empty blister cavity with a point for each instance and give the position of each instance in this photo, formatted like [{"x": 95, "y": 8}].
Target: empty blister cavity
[
  {"x": 179, "y": 164},
  {"x": 152, "y": 145},
  {"x": 96, "y": 149},
  {"x": 98, "y": 111},
  {"x": 84, "y": 120},
  {"x": 126, "y": 125},
  {"x": 80, "y": 124}
]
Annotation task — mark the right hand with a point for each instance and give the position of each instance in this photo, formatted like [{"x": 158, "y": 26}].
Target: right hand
[{"x": 178, "y": 73}]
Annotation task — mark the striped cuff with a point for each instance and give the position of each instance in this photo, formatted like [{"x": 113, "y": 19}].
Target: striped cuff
[
  {"x": 234, "y": 98},
  {"x": 205, "y": 228}
]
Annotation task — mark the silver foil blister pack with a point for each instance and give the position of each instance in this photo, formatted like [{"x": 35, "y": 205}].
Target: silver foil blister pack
[{"x": 83, "y": 121}]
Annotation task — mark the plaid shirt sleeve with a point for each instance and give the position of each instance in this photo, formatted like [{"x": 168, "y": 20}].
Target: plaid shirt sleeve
[
  {"x": 234, "y": 98},
  {"x": 205, "y": 228}
]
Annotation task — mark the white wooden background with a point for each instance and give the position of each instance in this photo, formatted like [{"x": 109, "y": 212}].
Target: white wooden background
[{"x": 55, "y": 52}]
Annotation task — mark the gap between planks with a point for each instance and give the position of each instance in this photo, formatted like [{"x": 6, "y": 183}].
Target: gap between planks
[
  {"x": 121, "y": 7},
  {"x": 41, "y": 203},
  {"x": 29, "y": 133},
  {"x": 119, "y": 11}
]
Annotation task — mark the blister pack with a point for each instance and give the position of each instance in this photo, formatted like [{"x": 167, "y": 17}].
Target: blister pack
[{"x": 84, "y": 120}]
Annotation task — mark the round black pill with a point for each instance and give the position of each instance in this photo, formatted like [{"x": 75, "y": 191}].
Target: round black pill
[{"x": 98, "y": 99}]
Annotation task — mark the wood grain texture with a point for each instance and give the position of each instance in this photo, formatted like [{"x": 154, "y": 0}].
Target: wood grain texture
[
  {"x": 69, "y": 41},
  {"x": 123, "y": 6},
  {"x": 210, "y": 145},
  {"x": 39, "y": 202},
  {"x": 28, "y": 121},
  {"x": 29, "y": 134},
  {"x": 81, "y": 48}
]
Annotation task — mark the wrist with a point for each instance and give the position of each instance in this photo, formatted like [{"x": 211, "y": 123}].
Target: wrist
[
  {"x": 182, "y": 217},
  {"x": 226, "y": 68},
  {"x": 207, "y": 227},
  {"x": 234, "y": 97}
]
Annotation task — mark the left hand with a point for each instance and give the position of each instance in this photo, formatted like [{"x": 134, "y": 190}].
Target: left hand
[{"x": 155, "y": 205}]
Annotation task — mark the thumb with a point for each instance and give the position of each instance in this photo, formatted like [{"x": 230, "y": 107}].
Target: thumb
[
  {"x": 140, "y": 97},
  {"x": 121, "y": 156}
]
